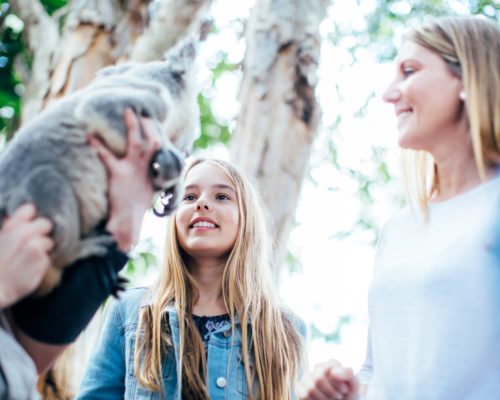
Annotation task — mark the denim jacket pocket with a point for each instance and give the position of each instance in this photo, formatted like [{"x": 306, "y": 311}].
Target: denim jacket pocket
[
  {"x": 169, "y": 380},
  {"x": 241, "y": 379}
]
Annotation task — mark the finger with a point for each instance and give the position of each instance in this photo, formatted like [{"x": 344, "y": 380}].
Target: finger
[
  {"x": 46, "y": 244},
  {"x": 341, "y": 379},
  {"x": 151, "y": 133},
  {"x": 328, "y": 390},
  {"x": 339, "y": 373},
  {"x": 309, "y": 391},
  {"x": 26, "y": 212},
  {"x": 106, "y": 156},
  {"x": 41, "y": 226},
  {"x": 326, "y": 386},
  {"x": 134, "y": 137}
]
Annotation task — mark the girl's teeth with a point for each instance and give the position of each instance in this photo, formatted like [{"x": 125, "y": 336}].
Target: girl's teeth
[{"x": 203, "y": 224}]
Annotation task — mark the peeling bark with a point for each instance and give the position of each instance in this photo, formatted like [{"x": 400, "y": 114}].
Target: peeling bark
[
  {"x": 279, "y": 110},
  {"x": 97, "y": 33}
]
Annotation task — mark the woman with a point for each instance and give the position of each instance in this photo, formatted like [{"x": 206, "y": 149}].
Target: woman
[
  {"x": 212, "y": 327},
  {"x": 435, "y": 298}
]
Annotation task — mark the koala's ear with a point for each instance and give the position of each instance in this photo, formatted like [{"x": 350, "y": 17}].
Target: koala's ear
[
  {"x": 115, "y": 69},
  {"x": 181, "y": 57}
]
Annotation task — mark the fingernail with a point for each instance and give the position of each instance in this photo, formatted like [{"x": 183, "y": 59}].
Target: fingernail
[{"x": 339, "y": 372}]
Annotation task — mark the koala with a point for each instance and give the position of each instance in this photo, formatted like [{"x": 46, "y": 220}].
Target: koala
[{"x": 49, "y": 162}]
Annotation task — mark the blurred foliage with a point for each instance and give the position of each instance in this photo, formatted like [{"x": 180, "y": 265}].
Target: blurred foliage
[
  {"x": 213, "y": 129},
  {"x": 333, "y": 336},
  {"x": 11, "y": 45},
  {"x": 143, "y": 258},
  {"x": 384, "y": 18},
  {"x": 12, "y": 52}
]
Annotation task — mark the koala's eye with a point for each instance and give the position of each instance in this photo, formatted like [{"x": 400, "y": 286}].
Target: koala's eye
[
  {"x": 177, "y": 76},
  {"x": 145, "y": 114}
]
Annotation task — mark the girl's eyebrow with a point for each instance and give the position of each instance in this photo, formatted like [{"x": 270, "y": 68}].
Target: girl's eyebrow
[
  {"x": 223, "y": 186},
  {"x": 217, "y": 186}
]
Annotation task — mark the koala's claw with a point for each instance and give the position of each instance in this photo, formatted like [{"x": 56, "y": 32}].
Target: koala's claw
[{"x": 119, "y": 287}]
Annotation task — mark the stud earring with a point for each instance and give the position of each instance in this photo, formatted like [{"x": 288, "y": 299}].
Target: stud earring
[{"x": 462, "y": 95}]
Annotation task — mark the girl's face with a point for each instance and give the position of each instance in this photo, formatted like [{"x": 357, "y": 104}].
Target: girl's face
[
  {"x": 207, "y": 219},
  {"x": 425, "y": 95}
]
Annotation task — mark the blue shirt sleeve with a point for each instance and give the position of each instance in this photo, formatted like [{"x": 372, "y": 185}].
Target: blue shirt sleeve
[{"x": 104, "y": 377}]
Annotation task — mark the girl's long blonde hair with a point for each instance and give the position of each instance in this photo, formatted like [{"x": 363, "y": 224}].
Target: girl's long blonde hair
[
  {"x": 470, "y": 46},
  {"x": 273, "y": 341}
]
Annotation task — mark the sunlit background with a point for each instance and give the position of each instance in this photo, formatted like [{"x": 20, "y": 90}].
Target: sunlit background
[{"x": 353, "y": 183}]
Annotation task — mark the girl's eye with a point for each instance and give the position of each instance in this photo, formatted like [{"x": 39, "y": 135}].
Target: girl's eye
[
  {"x": 222, "y": 197},
  {"x": 189, "y": 197}
]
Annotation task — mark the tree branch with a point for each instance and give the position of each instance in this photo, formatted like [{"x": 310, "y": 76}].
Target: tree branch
[
  {"x": 172, "y": 20},
  {"x": 42, "y": 37}
]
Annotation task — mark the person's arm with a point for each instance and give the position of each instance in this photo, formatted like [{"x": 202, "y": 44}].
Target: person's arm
[
  {"x": 104, "y": 376},
  {"x": 24, "y": 253},
  {"x": 45, "y": 326}
]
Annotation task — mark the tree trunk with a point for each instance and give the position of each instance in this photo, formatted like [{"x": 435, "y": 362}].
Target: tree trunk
[
  {"x": 279, "y": 110},
  {"x": 173, "y": 19}
]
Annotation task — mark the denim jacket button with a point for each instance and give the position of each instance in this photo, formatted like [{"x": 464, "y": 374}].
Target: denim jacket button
[
  {"x": 227, "y": 332},
  {"x": 221, "y": 382}
]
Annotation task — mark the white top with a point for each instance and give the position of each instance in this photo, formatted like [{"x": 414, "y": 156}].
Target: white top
[
  {"x": 17, "y": 371},
  {"x": 434, "y": 303}
]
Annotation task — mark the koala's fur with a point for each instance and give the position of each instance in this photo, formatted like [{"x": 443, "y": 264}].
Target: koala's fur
[{"x": 50, "y": 163}]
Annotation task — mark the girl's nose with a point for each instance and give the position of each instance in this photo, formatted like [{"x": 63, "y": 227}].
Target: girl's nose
[{"x": 202, "y": 204}]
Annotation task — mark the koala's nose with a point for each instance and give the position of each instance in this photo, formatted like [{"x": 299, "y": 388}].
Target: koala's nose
[{"x": 165, "y": 168}]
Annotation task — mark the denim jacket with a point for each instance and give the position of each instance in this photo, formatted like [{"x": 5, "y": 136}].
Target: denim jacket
[{"x": 110, "y": 372}]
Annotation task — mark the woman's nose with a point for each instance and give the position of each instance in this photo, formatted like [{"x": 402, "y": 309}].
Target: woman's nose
[{"x": 392, "y": 93}]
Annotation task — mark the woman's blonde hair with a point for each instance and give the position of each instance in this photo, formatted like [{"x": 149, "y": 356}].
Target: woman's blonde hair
[
  {"x": 470, "y": 46},
  {"x": 274, "y": 342}
]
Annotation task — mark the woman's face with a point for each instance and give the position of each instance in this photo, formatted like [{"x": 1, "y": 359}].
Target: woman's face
[
  {"x": 207, "y": 219},
  {"x": 425, "y": 95}
]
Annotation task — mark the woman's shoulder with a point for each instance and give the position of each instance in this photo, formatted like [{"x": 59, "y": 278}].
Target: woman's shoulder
[{"x": 129, "y": 303}]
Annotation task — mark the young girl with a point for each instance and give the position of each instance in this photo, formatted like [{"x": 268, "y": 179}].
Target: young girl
[
  {"x": 211, "y": 327},
  {"x": 434, "y": 303}
]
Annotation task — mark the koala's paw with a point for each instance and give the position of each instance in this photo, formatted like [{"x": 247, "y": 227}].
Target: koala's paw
[{"x": 119, "y": 286}]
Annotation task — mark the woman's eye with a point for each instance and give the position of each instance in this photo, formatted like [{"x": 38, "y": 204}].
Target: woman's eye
[
  {"x": 407, "y": 71},
  {"x": 189, "y": 197},
  {"x": 222, "y": 197}
]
